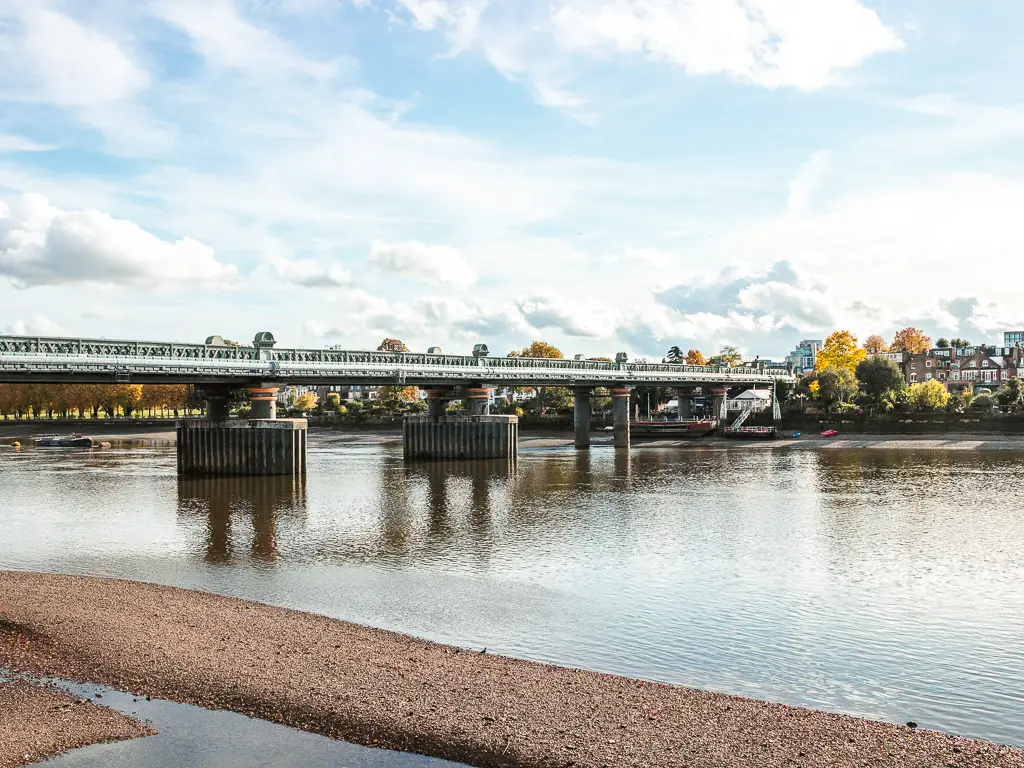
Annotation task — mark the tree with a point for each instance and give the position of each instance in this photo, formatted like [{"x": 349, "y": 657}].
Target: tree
[
  {"x": 694, "y": 357},
  {"x": 836, "y": 385},
  {"x": 875, "y": 345},
  {"x": 675, "y": 354},
  {"x": 305, "y": 402},
  {"x": 127, "y": 396},
  {"x": 539, "y": 349},
  {"x": 840, "y": 351},
  {"x": 393, "y": 398},
  {"x": 910, "y": 340},
  {"x": 942, "y": 343},
  {"x": 959, "y": 343},
  {"x": 881, "y": 379},
  {"x": 392, "y": 345},
  {"x": 1010, "y": 393},
  {"x": 928, "y": 395},
  {"x": 727, "y": 356}
]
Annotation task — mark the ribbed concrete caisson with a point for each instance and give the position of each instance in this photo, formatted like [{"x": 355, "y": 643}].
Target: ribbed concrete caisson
[
  {"x": 243, "y": 447},
  {"x": 428, "y": 438}
]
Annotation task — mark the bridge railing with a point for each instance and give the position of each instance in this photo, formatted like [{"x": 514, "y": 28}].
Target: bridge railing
[{"x": 482, "y": 367}]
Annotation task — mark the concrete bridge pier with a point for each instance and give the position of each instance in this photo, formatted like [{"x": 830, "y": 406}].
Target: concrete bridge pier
[
  {"x": 218, "y": 403},
  {"x": 437, "y": 398},
  {"x": 264, "y": 402},
  {"x": 684, "y": 399},
  {"x": 479, "y": 397},
  {"x": 720, "y": 410},
  {"x": 620, "y": 416},
  {"x": 581, "y": 417}
]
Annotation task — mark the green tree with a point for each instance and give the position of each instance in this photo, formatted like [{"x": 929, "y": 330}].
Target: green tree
[
  {"x": 394, "y": 398},
  {"x": 727, "y": 356},
  {"x": 1011, "y": 392},
  {"x": 942, "y": 343},
  {"x": 928, "y": 395},
  {"x": 840, "y": 351},
  {"x": 836, "y": 385},
  {"x": 675, "y": 354},
  {"x": 959, "y": 343},
  {"x": 333, "y": 402},
  {"x": 982, "y": 401},
  {"x": 881, "y": 380}
]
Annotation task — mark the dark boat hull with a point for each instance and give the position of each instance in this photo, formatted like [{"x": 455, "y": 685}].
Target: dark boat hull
[
  {"x": 64, "y": 442},
  {"x": 671, "y": 429}
]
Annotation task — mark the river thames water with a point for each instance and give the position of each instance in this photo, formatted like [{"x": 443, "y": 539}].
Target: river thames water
[{"x": 884, "y": 584}]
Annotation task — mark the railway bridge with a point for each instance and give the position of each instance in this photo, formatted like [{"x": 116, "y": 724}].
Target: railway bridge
[{"x": 261, "y": 369}]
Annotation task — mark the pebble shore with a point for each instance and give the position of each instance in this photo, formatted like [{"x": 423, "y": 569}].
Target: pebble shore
[
  {"x": 392, "y": 691},
  {"x": 38, "y": 722}
]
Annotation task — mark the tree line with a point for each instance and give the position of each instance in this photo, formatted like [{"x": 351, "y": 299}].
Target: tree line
[
  {"x": 847, "y": 375},
  {"x": 91, "y": 400}
]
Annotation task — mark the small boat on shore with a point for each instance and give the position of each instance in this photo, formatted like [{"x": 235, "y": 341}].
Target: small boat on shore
[
  {"x": 830, "y": 433},
  {"x": 751, "y": 433},
  {"x": 687, "y": 428},
  {"x": 66, "y": 441}
]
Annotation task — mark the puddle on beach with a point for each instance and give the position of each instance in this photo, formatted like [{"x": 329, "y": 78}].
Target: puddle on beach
[{"x": 192, "y": 737}]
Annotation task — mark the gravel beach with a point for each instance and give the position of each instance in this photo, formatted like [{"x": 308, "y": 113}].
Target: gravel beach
[
  {"x": 387, "y": 690},
  {"x": 38, "y": 722}
]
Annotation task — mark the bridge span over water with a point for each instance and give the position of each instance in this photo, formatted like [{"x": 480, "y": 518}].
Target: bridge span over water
[
  {"x": 33, "y": 359},
  {"x": 223, "y": 446}
]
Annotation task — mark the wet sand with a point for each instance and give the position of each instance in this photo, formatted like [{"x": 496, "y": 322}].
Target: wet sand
[
  {"x": 38, "y": 722},
  {"x": 387, "y": 690}
]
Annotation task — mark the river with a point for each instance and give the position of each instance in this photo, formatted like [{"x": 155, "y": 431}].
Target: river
[{"x": 883, "y": 584}]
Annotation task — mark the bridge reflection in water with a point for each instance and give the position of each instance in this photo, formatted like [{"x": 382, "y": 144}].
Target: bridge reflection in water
[{"x": 258, "y": 505}]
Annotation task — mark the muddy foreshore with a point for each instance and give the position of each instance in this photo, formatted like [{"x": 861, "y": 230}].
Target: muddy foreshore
[
  {"x": 37, "y": 722},
  {"x": 392, "y": 691},
  {"x": 552, "y": 439}
]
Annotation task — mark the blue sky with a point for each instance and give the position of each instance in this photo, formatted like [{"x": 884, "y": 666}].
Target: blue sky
[{"x": 604, "y": 174}]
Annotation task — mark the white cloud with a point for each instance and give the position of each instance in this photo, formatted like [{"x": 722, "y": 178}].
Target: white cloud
[
  {"x": 436, "y": 264},
  {"x": 9, "y": 143},
  {"x": 42, "y": 245},
  {"x": 51, "y": 57},
  {"x": 229, "y": 42},
  {"x": 808, "y": 181},
  {"x": 37, "y": 325},
  {"x": 772, "y": 43},
  {"x": 591, "y": 319},
  {"x": 311, "y": 274}
]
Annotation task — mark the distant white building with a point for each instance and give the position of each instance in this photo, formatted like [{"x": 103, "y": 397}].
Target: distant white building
[{"x": 751, "y": 400}]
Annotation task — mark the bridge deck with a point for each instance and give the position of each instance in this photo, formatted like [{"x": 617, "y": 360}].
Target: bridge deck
[{"x": 60, "y": 360}]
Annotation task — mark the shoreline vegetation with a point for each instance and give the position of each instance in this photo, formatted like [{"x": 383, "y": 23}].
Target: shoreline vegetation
[
  {"x": 40, "y": 721},
  {"x": 553, "y": 439},
  {"x": 392, "y": 691}
]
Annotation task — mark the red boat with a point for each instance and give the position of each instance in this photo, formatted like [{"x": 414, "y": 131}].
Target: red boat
[{"x": 830, "y": 433}]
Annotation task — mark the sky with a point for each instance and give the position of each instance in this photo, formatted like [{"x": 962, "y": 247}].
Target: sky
[{"x": 604, "y": 175}]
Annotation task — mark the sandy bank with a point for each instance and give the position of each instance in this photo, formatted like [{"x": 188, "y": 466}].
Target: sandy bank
[
  {"x": 38, "y": 722},
  {"x": 383, "y": 689}
]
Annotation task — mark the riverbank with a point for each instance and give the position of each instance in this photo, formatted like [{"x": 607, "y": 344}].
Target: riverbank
[
  {"x": 392, "y": 691},
  {"x": 38, "y": 722},
  {"x": 545, "y": 439}
]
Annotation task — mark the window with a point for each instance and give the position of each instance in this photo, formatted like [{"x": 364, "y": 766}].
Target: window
[
  {"x": 927, "y": 363},
  {"x": 913, "y": 376},
  {"x": 974, "y": 363},
  {"x": 927, "y": 377}
]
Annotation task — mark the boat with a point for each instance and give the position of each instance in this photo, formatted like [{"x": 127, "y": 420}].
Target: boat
[
  {"x": 751, "y": 433},
  {"x": 689, "y": 428},
  {"x": 68, "y": 441},
  {"x": 830, "y": 433}
]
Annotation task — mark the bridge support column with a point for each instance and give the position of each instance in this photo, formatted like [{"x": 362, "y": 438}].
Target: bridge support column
[
  {"x": 460, "y": 438},
  {"x": 684, "y": 400},
  {"x": 241, "y": 447},
  {"x": 264, "y": 402},
  {"x": 435, "y": 400},
  {"x": 218, "y": 403},
  {"x": 479, "y": 400},
  {"x": 719, "y": 406},
  {"x": 620, "y": 414},
  {"x": 581, "y": 417}
]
